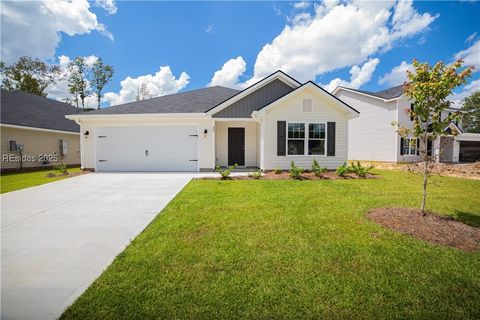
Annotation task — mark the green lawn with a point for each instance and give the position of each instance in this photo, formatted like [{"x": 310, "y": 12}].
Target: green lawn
[
  {"x": 292, "y": 250},
  {"x": 12, "y": 181}
]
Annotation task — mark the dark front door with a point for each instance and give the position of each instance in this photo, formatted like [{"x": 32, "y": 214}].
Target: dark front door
[{"x": 236, "y": 146}]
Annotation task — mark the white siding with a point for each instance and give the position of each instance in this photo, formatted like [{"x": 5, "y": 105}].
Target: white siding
[
  {"x": 221, "y": 141},
  {"x": 291, "y": 110},
  {"x": 371, "y": 136},
  {"x": 404, "y": 121},
  {"x": 206, "y": 145},
  {"x": 36, "y": 143}
]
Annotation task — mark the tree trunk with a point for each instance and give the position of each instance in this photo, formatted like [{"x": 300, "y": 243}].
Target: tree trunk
[
  {"x": 98, "y": 100},
  {"x": 425, "y": 172}
]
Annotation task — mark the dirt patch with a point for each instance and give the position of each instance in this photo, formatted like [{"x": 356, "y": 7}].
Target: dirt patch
[
  {"x": 285, "y": 175},
  {"x": 462, "y": 170},
  {"x": 430, "y": 227}
]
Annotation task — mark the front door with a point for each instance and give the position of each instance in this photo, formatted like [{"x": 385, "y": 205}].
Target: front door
[{"x": 236, "y": 146}]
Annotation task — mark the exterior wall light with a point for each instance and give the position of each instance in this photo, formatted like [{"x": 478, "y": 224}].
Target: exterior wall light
[
  {"x": 85, "y": 134},
  {"x": 205, "y": 133}
]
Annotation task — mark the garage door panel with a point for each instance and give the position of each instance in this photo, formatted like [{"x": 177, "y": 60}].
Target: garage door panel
[
  {"x": 469, "y": 151},
  {"x": 147, "y": 148}
]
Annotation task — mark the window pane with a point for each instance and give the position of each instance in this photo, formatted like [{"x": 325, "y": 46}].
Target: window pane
[
  {"x": 296, "y": 130},
  {"x": 316, "y": 131},
  {"x": 296, "y": 147},
  {"x": 316, "y": 147}
]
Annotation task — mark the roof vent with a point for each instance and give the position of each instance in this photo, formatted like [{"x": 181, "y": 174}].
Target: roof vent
[{"x": 307, "y": 105}]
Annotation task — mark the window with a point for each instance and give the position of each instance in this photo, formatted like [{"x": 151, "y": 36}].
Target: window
[
  {"x": 296, "y": 138},
  {"x": 307, "y": 105},
  {"x": 306, "y": 139},
  {"x": 409, "y": 147},
  {"x": 316, "y": 139}
]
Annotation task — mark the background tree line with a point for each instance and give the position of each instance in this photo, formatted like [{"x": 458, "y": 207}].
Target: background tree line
[{"x": 35, "y": 76}]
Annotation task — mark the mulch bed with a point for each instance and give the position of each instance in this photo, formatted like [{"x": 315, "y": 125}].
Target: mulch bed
[
  {"x": 70, "y": 174},
  {"x": 285, "y": 175},
  {"x": 430, "y": 227}
]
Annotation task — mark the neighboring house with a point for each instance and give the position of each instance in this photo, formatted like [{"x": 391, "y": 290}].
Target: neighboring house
[
  {"x": 267, "y": 125},
  {"x": 35, "y": 133},
  {"x": 372, "y": 136}
]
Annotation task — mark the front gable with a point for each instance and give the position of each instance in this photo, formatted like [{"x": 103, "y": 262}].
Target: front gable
[
  {"x": 259, "y": 98},
  {"x": 321, "y": 102}
]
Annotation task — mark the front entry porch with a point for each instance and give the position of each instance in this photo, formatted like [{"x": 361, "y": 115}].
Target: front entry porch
[{"x": 237, "y": 142}]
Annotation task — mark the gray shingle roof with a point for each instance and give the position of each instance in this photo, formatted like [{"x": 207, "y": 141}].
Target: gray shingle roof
[
  {"x": 389, "y": 93},
  {"x": 194, "y": 101},
  {"x": 26, "y": 109}
]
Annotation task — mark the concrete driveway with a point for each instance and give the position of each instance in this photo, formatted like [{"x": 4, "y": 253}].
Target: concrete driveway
[{"x": 58, "y": 238}]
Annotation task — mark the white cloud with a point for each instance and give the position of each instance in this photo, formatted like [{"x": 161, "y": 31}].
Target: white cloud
[
  {"x": 471, "y": 56},
  {"x": 161, "y": 83},
  {"x": 59, "y": 90},
  {"x": 34, "y": 28},
  {"x": 209, "y": 29},
  {"x": 466, "y": 91},
  {"x": 277, "y": 9},
  {"x": 301, "y": 5},
  {"x": 107, "y": 5},
  {"x": 397, "y": 75},
  {"x": 358, "y": 76},
  {"x": 230, "y": 73},
  {"x": 471, "y": 37},
  {"x": 338, "y": 35}
]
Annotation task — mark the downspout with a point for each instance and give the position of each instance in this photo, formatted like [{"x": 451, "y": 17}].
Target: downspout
[
  {"x": 396, "y": 152},
  {"x": 82, "y": 145}
]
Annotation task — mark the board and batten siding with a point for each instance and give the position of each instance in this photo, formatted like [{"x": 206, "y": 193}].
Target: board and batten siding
[
  {"x": 206, "y": 145},
  {"x": 371, "y": 135},
  {"x": 290, "y": 110},
  {"x": 244, "y": 107},
  {"x": 221, "y": 141},
  {"x": 37, "y": 143}
]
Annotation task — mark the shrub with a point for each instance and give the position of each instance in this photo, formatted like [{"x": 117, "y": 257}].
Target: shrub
[
  {"x": 277, "y": 170},
  {"x": 295, "y": 172},
  {"x": 225, "y": 173},
  {"x": 343, "y": 170},
  {"x": 360, "y": 170},
  {"x": 256, "y": 174},
  {"x": 61, "y": 169},
  {"x": 317, "y": 169}
]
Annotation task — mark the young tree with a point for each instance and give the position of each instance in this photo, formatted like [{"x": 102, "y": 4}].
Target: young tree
[
  {"x": 471, "y": 115},
  {"x": 30, "y": 75},
  {"x": 77, "y": 79},
  {"x": 142, "y": 92},
  {"x": 429, "y": 88},
  {"x": 101, "y": 75}
]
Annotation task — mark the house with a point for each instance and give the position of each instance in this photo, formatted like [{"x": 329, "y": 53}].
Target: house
[
  {"x": 372, "y": 136},
  {"x": 35, "y": 133},
  {"x": 267, "y": 125}
]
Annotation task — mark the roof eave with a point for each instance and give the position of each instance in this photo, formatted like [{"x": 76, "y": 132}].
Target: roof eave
[
  {"x": 337, "y": 89},
  {"x": 136, "y": 115}
]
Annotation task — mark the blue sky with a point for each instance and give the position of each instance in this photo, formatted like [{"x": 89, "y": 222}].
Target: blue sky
[{"x": 199, "y": 38}]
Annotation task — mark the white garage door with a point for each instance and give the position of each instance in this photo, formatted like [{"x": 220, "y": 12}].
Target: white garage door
[{"x": 147, "y": 148}]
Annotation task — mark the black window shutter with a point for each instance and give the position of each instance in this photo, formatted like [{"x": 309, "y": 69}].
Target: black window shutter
[
  {"x": 281, "y": 137},
  {"x": 402, "y": 142},
  {"x": 418, "y": 147},
  {"x": 412, "y": 108},
  {"x": 429, "y": 148},
  {"x": 331, "y": 139}
]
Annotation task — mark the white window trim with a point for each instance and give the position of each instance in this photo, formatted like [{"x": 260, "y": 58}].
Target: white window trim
[
  {"x": 410, "y": 148},
  {"x": 305, "y": 148}
]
